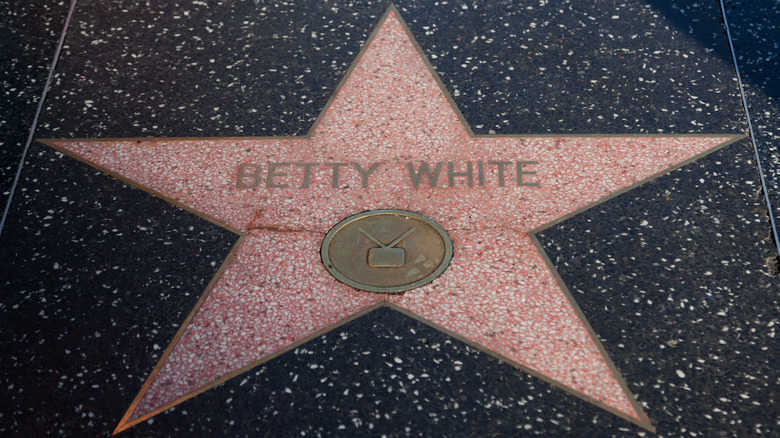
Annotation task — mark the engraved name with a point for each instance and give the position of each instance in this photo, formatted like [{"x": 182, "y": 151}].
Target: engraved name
[{"x": 282, "y": 175}]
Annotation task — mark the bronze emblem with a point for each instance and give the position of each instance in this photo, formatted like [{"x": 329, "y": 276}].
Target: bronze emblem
[{"x": 386, "y": 250}]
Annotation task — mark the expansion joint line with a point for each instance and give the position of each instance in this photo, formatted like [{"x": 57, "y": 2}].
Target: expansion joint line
[
  {"x": 37, "y": 114},
  {"x": 764, "y": 186}
]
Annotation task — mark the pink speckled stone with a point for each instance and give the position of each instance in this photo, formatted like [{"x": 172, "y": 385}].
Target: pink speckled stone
[{"x": 498, "y": 291}]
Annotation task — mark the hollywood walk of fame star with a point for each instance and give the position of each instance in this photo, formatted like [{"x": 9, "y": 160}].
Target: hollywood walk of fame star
[{"x": 499, "y": 293}]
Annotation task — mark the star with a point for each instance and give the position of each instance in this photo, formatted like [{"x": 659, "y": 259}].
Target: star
[{"x": 389, "y": 138}]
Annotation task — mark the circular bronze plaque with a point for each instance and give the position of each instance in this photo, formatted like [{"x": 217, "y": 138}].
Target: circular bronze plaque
[{"x": 386, "y": 250}]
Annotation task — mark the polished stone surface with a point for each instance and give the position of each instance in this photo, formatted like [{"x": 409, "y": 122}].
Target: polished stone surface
[
  {"x": 676, "y": 277},
  {"x": 756, "y": 38},
  {"x": 29, "y": 32}
]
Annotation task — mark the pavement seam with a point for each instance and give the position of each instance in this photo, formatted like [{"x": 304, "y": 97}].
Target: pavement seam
[
  {"x": 750, "y": 129},
  {"x": 34, "y": 125}
]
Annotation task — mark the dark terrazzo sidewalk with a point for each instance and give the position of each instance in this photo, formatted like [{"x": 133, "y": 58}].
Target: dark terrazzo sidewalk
[
  {"x": 29, "y": 32},
  {"x": 756, "y": 37}
]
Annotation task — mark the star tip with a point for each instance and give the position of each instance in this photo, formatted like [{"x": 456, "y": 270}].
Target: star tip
[
  {"x": 393, "y": 10},
  {"x": 122, "y": 426},
  {"x": 126, "y": 423},
  {"x": 645, "y": 423}
]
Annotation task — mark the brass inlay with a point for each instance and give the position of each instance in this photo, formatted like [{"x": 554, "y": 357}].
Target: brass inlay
[{"x": 355, "y": 252}]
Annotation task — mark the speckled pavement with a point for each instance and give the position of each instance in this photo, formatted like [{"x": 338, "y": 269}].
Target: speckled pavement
[{"x": 616, "y": 276}]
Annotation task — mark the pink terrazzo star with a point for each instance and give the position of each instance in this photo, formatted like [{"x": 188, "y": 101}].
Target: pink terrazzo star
[{"x": 498, "y": 293}]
